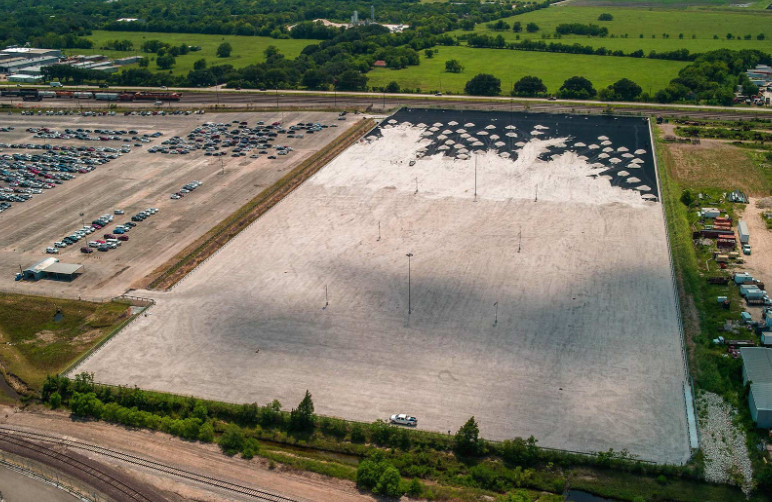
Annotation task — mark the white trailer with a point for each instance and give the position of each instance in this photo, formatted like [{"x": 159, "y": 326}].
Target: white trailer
[{"x": 742, "y": 230}]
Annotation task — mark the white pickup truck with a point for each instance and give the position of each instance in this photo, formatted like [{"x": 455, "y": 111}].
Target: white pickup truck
[{"x": 403, "y": 419}]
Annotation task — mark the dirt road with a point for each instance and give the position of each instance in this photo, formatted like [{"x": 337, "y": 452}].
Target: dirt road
[
  {"x": 759, "y": 263},
  {"x": 196, "y": 457}
]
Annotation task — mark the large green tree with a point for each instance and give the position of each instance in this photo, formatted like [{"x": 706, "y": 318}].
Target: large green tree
[
  {"x": 302, "y": 418},
  {"x": 467, "y": 441},
  {"x": 577, "y": 88},
  {"x": 529, "y": 86},
  {"x": 483, "y": 84}
]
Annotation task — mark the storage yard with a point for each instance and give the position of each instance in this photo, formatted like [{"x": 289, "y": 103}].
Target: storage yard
[
  {"x": 74, "y": 171},
  {"x": 537, "y": 296}
]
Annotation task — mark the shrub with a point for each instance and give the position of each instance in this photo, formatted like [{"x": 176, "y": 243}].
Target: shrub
[
  {"x": 55, "y": 400},
  {"x": 232, "y": 440}
]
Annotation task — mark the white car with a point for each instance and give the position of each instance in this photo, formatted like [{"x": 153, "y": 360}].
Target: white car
[
  {"x": 52, "y": 250},
  {"x": 403, "y": 419}
]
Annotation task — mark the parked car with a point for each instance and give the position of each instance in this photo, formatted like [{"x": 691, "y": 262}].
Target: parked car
[
  {"x": 52, "y": 250},
  {"x": 403, "y": 419},
  {"x": 746, "y": 249},
  {"x": 86, "y": 250},
  {"x": 123, "y": 238},
  {"x": 109, "y": 236},
  {"x": 119, "y": 211}
]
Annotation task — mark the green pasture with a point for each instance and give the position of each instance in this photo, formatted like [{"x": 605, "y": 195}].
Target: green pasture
[
  {"x": 510, "y": 66},
  {"x": 698, "y": 27},
  {"x": 246, "y": 50}
]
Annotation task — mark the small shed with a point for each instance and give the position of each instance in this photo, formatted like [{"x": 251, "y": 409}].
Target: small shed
[
  {"x": 710, "y": 212},
  {"x": 766, "y": 338},
  {"x": 37, "y": 271},
  {"x": 63, "y": 271},
  {"x": 380, "y": 64},
  {"x": 760, "y": 402}
]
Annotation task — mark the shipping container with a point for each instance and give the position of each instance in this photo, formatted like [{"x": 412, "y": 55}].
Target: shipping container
[
  {"x": 742, "y": 231},
  {"x": 741, "y": 277},
  {"x": 106, "y": 96},
  {"x": 722, "y": 258},
  {"x": 83, "y": 95}
]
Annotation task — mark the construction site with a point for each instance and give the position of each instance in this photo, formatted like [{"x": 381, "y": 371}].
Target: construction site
[{"x": 510, "y": 266}]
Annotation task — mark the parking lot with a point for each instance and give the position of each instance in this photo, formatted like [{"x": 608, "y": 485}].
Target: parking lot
[{"x": 114, "y": 169}]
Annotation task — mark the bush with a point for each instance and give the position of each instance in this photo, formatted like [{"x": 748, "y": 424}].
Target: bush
[
  {"x": 605, "y": 17},
  {"x": 206, "y": 433},
  {"x": 389, "y": 483},
  {"x": 232, "y": 440},
  {"x": 358, "y": 434},
  {"x": 250, "y": 449},
  {"x": 55, "y": 400},
  {"x": 414, "y": 489},
  {"x": 577, "y": 88},
  {"x": 224, "y": 50}
]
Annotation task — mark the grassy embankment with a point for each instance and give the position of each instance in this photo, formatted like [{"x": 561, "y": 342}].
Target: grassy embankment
[{"x": 33, "y": 344}]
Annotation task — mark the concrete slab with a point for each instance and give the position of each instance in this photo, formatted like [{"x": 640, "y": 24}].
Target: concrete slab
[{"x": 555, "y": 318}]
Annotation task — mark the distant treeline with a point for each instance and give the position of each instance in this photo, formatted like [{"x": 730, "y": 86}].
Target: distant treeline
[{"x": 59, "y": 23}]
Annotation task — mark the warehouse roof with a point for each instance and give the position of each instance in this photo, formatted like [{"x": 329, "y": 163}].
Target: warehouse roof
[
  {"x": 64, "y": 268},
  {"x": 42, "y": 265},
  {"x": 762, "y": 395},
  {"x": 757, "y": 362}
]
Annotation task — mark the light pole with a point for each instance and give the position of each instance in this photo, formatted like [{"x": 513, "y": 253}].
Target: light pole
[
  {"x": 475, "y": 178},
  {"x": 496, "y": 318},
  {"x": 409, "y": 304},
  {"x": 81, "y": 220}
]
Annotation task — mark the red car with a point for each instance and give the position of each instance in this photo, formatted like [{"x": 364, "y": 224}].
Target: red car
[
  {"x": 86, "y": 250},
  {"x": 123, "y": 237},
  {"x": 109, "y": 236}
]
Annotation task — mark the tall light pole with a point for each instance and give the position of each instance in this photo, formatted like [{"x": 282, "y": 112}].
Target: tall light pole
[
  {"x": 409, "y": 304},
  {"x": 475, "y": 178},
  {"x": 81, "y": 219},
  {"x": 496, "y": 318}
]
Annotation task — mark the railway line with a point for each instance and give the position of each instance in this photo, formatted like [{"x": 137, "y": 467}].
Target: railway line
[
  {"x": 10, "y": 434},
  {"x": 283, "y": 100}
]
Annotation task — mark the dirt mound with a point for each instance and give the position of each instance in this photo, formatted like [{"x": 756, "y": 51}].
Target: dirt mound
[{"x": 765, "y": 203}]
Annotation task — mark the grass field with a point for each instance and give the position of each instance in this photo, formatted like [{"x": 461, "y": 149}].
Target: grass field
[
  {"x": 246, "y": 50},
  {"x": 510, "y": 66},
  {"x": 701, "y": 24},
  {"x": 33, "y": 344}
]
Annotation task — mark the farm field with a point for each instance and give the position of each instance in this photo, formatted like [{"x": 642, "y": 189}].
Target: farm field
[
  {"x": 574, "y": 340},
  {"x": 246, "y": 50},
  {"x": 701, "y": 24},
  {"x": 510, "y": 66}
]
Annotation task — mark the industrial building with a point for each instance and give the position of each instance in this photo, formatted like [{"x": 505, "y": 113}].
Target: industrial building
[
  {"x": 52, "y": 268},
  {"x": 757, "y": 369}
]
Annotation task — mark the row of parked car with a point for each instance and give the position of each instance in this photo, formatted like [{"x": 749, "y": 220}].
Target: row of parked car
[
  {"x": 93, "y": 135},
  {"x": 110, "y": 240},
  {"x": 23, "y": 175},
  {"x": 186, "y": 189}
]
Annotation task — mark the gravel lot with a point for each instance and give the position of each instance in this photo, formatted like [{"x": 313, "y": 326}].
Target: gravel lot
[
  {"x": 726, "y": 455},
  {"x": 573, "y": 339},
  {"x": 134, "y": 182}
]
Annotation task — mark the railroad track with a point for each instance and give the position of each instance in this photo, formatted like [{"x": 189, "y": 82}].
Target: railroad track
[
  {"x": 7, "y": 432},
  {"x": 61, "y": 457}
]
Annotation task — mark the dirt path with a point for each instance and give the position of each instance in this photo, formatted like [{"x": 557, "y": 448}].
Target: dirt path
[
  {"x": 759, "y": 263},
  {"x": 197, "y": 457}
]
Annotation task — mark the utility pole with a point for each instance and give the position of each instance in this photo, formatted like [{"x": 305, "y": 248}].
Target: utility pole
[
  {"x": 409, "y": 304},
  {"x": 496, "y": 318},
  {"x": 519, "y": 240},
  {"x": 326, "y": 298},
  {"x": 379, "y": 231},
  {"x": 475, "y": 178},
  {"x": 416, "y": 184}
]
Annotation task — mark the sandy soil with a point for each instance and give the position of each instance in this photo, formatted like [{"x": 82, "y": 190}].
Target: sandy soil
[
  {"x": 575, "y": 339},
  {"x": 201, "y": 458},
  {"x": 759, "y": 263},
  {"x": 134, "y": 182}
]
